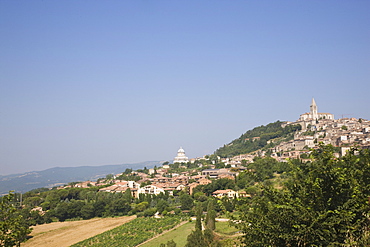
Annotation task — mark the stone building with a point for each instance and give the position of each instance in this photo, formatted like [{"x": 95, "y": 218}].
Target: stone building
[{"x": 314, "y": 114}]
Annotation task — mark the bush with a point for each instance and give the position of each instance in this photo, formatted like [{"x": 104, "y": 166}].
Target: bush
[{"x": 150, "y": 212}]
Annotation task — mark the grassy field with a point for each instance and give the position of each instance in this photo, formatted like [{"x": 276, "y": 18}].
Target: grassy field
[
  {"x": 223, "y": 228},
  {"x": 178, "y": 235},
  {"x": 227, "y": 235}
]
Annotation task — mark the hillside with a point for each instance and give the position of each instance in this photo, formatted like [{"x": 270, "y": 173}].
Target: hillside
[
  {"x": 258, "y": 138},
  {"x": 62, "y": 175}
]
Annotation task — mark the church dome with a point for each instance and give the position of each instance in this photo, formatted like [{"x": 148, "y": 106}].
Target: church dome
[{"x": 181, "y": 157}]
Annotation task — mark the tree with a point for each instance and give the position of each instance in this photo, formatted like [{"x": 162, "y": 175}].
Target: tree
[
  {"x": 208, "y": 236},
  {"x": 128, "y": 171},
  {"x": 186, "y": 201},
  {"x": 198, "y": 222},
  {"x": 141, "y": 206},
  {"x": 325, "y": 202},
  {"x": 61, "y": 211},
  {"x": 149, "y": 212},
  {"x": 161, "y": 205},
  {"x": 87, "y": 211},
  {"x": 13, "y": 228},
  {"x": 171, "y": 243},
  {"x": 127, "y": 195},
  {"x": 117, "y": 206},
  {"x": 99, "y": 207},
  {"x": 211, "y": 216},
  {"x": 195, "y": 239},
  {"x": 198, "y": 238},
  {"x": 264, "y": 167}
]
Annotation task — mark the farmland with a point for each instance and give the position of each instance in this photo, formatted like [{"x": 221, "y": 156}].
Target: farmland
[
  {"x": 224, "y": 232},
  {"x": 179, "y": 235},
  {"x": 132, "y": 233},
  {"x": 60, "y": 234}
]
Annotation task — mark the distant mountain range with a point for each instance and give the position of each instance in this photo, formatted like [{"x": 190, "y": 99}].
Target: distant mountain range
[{"x": 62, "y": 175}]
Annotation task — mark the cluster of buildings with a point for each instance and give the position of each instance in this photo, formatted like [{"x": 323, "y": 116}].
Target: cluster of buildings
[
  {"x": 161, "y": 181},
  {"x": 317, "y": 128},
  {"x": 164, "y": 182}
]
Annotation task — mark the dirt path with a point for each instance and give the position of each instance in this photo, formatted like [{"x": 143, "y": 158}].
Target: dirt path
[{"x": 63, "y": 234}]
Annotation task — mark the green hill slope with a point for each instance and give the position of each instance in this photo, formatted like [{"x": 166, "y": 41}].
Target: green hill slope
[{"x": 258, "y": 138}]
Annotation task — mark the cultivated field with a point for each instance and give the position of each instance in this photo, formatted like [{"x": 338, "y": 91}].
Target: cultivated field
[
  {"x": 179, "y": 235},
  {"x": 133, "y": 233},
  {"x": 60, "y": 234}
]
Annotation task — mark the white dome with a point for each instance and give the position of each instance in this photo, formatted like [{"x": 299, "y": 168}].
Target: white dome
[{"x": 181, "y": 157}]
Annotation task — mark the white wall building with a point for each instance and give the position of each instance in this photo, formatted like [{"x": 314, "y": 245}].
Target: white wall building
[
  {"x": 314, "y": 114},
  {"x": 150, "y": 189},
  {"x": 181, "y": 157}
]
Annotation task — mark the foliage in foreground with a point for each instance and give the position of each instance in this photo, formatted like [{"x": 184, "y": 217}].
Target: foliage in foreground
[
  {"x": 325, "y": 203},
  {"x": 132, "y": 233},
  {"x": 13, "y": 228}
]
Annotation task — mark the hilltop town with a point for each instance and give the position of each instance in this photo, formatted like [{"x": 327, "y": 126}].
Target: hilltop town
[
  {"x": 186, "y": 174},
  {"x": 316, "y": 128}
]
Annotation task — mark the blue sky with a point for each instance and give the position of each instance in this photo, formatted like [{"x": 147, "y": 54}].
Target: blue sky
[{"x": 112, "y": 82}]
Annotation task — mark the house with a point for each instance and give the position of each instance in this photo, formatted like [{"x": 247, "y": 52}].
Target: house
[
  {"x": 181, "y": 179},
  {"x": 225, "y": 193},
  {"x": 204, "y": 181},
  {"x": 121, "y": 187},
  {"x": 150, "y": 189},
  {"x": 170, "y": 187},
  {"x": 217, "y": 173},
  {"x": 111, "y": 188},
  {"x": 198, "y": 177},
  {"x": 212, "y": 173},
  {"x": 86, "y": 184}
]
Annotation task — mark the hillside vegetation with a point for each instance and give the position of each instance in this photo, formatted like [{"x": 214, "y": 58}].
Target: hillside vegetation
[{"x": 258, "y": 138}]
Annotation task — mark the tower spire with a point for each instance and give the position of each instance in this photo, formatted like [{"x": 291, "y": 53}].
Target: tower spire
[{"x": 313, "y": 102}]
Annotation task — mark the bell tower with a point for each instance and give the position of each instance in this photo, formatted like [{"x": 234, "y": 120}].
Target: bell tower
[{"x": 313, "y": 110}]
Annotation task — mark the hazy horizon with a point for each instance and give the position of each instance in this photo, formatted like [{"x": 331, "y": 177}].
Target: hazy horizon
[
  {"x": 98, "y": 83},
  {"x": 136, "y": 163}
]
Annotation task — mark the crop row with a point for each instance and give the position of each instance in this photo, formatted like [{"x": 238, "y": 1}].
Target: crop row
[{"x": 131, "y": 233}]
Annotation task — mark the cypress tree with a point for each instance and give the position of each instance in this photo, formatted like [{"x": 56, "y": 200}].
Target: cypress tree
[
  {"x": 211, "y": 216},
  {"x": 198, "y": 222}
]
